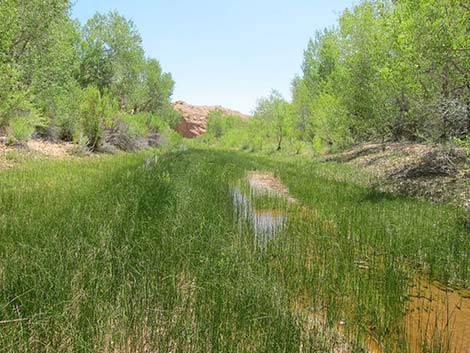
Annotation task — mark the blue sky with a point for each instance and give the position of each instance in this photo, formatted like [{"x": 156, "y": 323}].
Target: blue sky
[{"x": 226, "y": 53}]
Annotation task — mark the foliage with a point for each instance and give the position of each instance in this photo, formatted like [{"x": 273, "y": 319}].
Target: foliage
[
  {"x": 331, "y": 122},
  {"x": 220, "y": 124},
  {"x": 388, "y": 71},
  {"x": 275, "y": 112},
  {"x": 18, "y": 115},
  {"x": 143, "y": 123},
  {"x": 396, "y": 69},
  {"x": 111, "y": 56},
  {"x": 96, "y": 113},
  {"x": 463, "y": 143},
  {"x": 156, "y": 88},
  {"x": 48, "y": 62},
  {"x": 53, "y": 81}
]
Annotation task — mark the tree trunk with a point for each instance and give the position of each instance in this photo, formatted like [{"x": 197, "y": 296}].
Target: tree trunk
[
  {"x": 446, "y": 94},
  {"x": 279, "y": 138},
  {"x": 398, "y": 130}
]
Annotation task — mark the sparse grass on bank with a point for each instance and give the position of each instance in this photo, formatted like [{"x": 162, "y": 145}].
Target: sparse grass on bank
[{"x": 140, "y": 252}]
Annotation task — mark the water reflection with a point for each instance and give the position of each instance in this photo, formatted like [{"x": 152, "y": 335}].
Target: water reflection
[
  {"x": 268, "y": 223},
  {"x": 265, "y": 224}
]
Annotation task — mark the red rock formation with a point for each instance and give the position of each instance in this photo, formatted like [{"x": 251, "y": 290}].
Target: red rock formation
[{"x": 194, "y": 118}]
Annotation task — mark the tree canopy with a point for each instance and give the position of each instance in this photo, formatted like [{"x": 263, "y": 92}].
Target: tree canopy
[{"x": 50, "y": 65}]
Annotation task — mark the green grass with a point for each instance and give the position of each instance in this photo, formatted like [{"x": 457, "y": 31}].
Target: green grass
[{"x": 132, "y": 253}]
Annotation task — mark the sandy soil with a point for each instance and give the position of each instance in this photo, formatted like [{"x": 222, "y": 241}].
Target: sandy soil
[
  {"x": 39, "y": 148},
  {"x": 268, "y": 183},
  {"x": 436, "y": 173}
]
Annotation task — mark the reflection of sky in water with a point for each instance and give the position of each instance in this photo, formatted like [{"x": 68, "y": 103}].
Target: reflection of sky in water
[{"x": 266, "y": 223}]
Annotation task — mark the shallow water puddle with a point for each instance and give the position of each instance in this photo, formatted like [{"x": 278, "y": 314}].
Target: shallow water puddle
[
  {"x": 435, "y": 317},
  {"x": 265, "y": 223},
  {"x": 268, "y": 223},
  {"x": 439, "y": 315}
]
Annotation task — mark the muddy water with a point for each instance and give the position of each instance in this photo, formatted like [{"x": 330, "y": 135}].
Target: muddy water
[
  {"x": 439, "y": 315},
  {"x": 435, "y": 316}
]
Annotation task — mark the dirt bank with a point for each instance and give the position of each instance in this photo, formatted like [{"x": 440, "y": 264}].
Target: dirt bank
[
  {"x": 10, "y": 155},
  {"x": 434, "y": 172}
]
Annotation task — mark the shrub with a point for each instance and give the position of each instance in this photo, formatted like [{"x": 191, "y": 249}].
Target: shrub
[
  {"x": 22, "y": 127},
  {"x": 66, "y": 123},
  {"x": 170, "y": 139},
  {"x": 96, "y": 112},
  {"x": 141, "y": 124},
  {"x": 137, "y": 123},
  {"x": 18, "y": 116},
  {"x": 463, "y": 143}
]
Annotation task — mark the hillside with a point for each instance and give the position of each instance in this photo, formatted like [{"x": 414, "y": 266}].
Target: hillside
[
  {"x": 434, "y": 172},
  {"x": 194, "y": 118}
]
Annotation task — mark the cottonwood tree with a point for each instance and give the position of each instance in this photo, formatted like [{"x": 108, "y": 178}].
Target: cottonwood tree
[
  {"x": 155, "y": 88},
  {"x": 112, "y": 56},
  {"x": 275, "y": 112},
  {"x": 28, "y": 39},
  {"x": 392, "y": 69}
]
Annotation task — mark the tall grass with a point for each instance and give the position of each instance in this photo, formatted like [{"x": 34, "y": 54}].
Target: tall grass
[{"x": 133, "y": 253}]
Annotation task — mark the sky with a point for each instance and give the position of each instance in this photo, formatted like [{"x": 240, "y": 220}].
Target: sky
[{"x": 227, "y": 53}]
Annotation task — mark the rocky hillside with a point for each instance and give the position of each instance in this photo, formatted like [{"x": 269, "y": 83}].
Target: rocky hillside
[{"x": 194, "y": 118}]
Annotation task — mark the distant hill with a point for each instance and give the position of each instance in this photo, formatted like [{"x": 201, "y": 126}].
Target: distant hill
[{"x": 194, "y": 118}]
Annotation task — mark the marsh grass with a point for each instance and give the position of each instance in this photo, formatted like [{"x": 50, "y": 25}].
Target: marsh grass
[{"x": 118, "y": 254}]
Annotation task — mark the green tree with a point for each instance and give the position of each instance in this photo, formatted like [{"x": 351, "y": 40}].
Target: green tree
[
  {"x": 365, "y": 47},
  {"x": 275, "y": 112},
  {"x": 112, "y": 57},
  {"x": 156, "y": 88},
  {"x": 435, "y": 47},
  {"x": 54, "y": 85},
  {"x": 28, "y": 36},
  {"x": 301, "y": 109},
  {"x": 26, "y": 25}
]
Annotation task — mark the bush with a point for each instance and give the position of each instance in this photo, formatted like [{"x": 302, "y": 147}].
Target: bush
[
  {"x": 463, "y": 143},
  {"x": 138, "y": 124},
  {"x": 141, "y": 124},
  {"x": 23, "y": 127},
  {"x": 96, "y": 112},
  {"x": 169, "y": 115},
  {"x": 18, "y": 116},
  {"x": 170, "y": 139},
  {"x": 66, "y": 122}
]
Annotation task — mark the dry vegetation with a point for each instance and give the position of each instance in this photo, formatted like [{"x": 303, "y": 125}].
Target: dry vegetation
[{"x": 434, "y": 172}]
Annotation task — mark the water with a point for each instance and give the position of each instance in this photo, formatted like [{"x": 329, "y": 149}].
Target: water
[
  {"x": 438, "y": 313},
  {"x": 265, "y": 224},
  {"x": 433, "y": 313}
]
